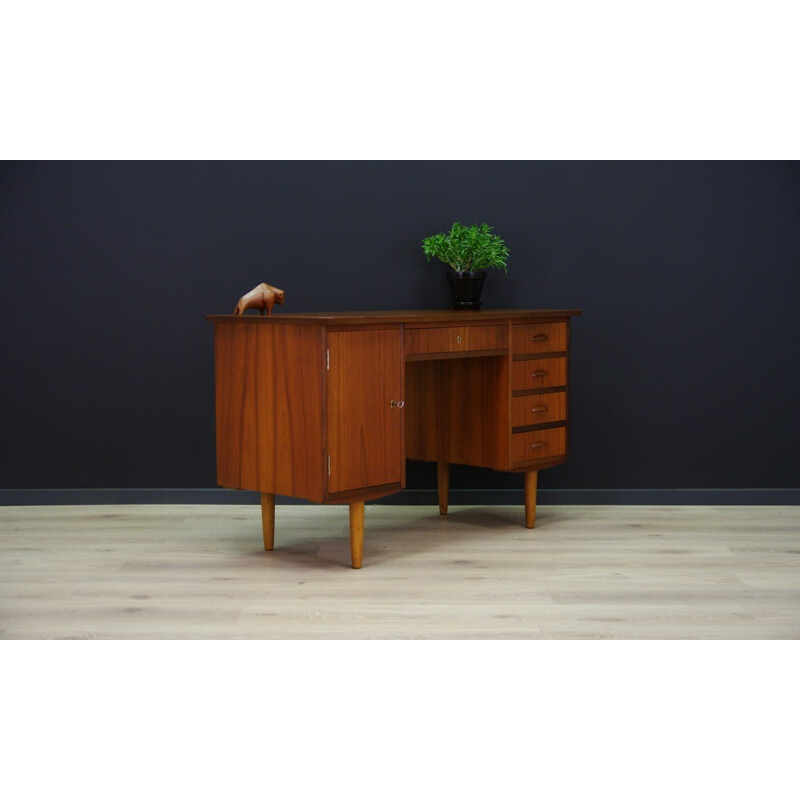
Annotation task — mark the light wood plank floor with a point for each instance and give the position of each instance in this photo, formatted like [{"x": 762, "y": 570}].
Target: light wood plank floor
[{"x": 623, "y": 572}]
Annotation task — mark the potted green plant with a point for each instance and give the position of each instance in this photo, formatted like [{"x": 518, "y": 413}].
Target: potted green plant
[{"x": 469, "y": 250}]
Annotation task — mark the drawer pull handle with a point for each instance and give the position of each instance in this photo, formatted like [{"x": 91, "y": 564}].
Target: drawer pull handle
[
  {"x": 539, "y": 444},
  {"x": 540, "y": 337},
  {"x": 539, "y": 373},
  {"x": 538, "y": 409},
  {"x": 396, "y": 404},
  {"x": 458, "y": 340}
]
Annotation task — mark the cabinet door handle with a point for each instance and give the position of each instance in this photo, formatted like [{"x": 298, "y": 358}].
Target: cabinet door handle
[
  {"x": 540, "y": 337},
  {"x": 539, "y": 373},
  {"x": 538, "y": 409},
  {"x": 458, "y": 340},
  {"x": 539, "y": 444},
  {"x": 396, "y": 403}
]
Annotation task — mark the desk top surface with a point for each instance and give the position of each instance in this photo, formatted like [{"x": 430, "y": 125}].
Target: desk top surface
[{"x": 429, "y": 315}]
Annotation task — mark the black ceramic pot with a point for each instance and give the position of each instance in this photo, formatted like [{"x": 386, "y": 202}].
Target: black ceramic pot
[{"x": 466, "y": 289}]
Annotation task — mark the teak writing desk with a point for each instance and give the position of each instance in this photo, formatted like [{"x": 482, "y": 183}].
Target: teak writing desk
[{"x": 327, "y": 407}]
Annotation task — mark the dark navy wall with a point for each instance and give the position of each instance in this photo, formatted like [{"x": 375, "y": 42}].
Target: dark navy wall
[{"x": 685, "y": 361}]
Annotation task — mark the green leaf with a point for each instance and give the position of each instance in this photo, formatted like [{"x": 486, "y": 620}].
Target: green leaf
[{"x": 472, "y": 248}]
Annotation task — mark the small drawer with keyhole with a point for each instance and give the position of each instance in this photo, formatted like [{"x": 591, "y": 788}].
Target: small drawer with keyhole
[{"x": 455, "y": 339}]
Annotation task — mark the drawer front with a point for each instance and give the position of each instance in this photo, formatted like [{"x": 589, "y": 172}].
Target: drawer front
[
  {"x": 547, "y": 443},
  {"x": 455, "y": 339},
  {"x": 539, "y": 373},
  {"x": 539, "y": 337},
  {"x": 533, "y": 409}
]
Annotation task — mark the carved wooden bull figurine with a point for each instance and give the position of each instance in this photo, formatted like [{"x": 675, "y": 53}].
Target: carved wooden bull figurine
[{"x": 263, "y": 296}]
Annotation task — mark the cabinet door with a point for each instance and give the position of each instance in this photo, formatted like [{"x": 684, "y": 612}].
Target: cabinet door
[{"x": 365, "y": 431}]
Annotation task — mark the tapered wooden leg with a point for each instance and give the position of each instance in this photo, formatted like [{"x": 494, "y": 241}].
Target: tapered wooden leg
[
  {"x": 530, "y": 498},
  {"x": 268, "y": 519},
  {"x": 443, "y": 477},
  {"x": 356, "y": 533}
]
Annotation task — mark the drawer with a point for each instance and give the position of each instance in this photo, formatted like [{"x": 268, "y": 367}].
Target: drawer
[
  {"x": 547, "y": 443},
  {"x": 538, "y": 373},
  {"x": 455, "y": 339},
  {"x": 539, "y": 337},
  {"x": 533, "y": 409}
]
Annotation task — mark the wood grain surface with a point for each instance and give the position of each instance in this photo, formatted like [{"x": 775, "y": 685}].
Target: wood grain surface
[
  {"x": 421, "y": 318},
  {"x": 543, "y": 443},
  {"x": 584, "y": 572},
  {"x": 244, "y": 431},
  {"x": 535, "y": 409},
  {"x": 365, "y": 432},
  {"x": 455, "y": 339},
  {"x": 299, "y": 361},
  {"x": 269, "y": 397},
  {"x": 539, "y": 337},
  {"x": 457, "y": 411},
  {"x": 539, "y": 373}
]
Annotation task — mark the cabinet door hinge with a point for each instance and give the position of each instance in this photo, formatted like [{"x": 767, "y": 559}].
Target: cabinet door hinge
[
  {"x": 328, "y": 359},
  {"x": 329, "y": 463}
]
